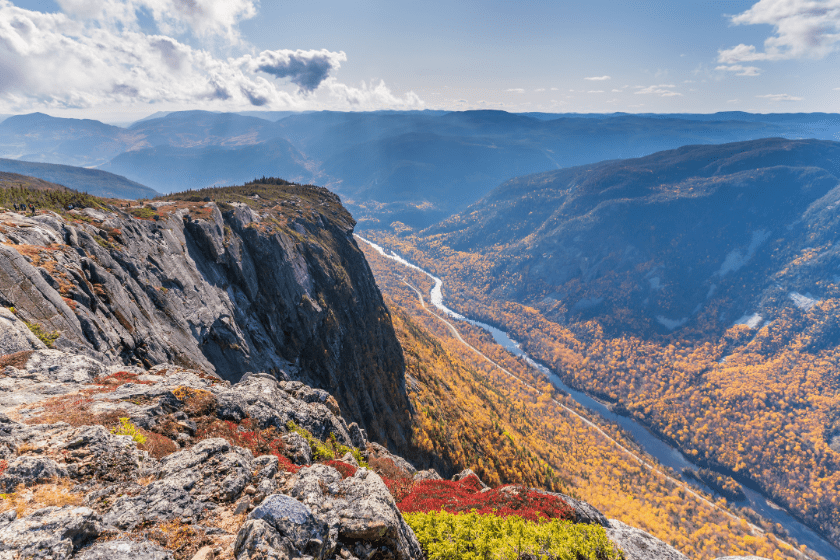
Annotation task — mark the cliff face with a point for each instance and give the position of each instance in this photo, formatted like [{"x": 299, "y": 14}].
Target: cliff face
[{"x": 268, "y": 280}]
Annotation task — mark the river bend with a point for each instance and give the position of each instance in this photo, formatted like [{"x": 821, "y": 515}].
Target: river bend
[{"x": 664, "y": 452}]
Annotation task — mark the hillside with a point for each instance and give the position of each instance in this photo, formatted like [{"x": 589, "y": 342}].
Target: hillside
[
  {"x": 510, "y": 426},
  {"x": 92, "y": 181},
  {"x": 130, "y": 428},
  {"x": 417, "y": 167},
  {"x": 245, "y": 284},
  {"x": 173, "y": 169},
  {"x": 693, "y": 289}
]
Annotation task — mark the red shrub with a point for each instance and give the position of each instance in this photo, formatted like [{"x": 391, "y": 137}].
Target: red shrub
[
  {"x": 114, "y": 380},
  {"x": 3, "y": 465},
  {"x": 466, "y": 495},
  {"x": 347, "y": 470},
  {"x": 248, "y": 435}
]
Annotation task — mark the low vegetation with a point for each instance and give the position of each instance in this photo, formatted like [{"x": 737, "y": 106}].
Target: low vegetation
[
  {"x": 45, "y": 336},
  {"x": 474, "y": 536}
]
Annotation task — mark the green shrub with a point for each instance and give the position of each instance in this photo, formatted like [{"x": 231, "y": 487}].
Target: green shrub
[
  {"x": 144, "y": 213},
  {"x": 324, "y": 451},
  {"x": 126, "y": 428},
  {"x": 448, "y": 536},
  {"x": 43, "y": 335}
]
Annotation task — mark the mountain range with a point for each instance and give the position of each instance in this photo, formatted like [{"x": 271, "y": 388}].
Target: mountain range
[{"x": 417, "y": 167}]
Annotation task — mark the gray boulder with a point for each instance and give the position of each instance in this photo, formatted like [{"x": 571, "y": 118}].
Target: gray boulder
[
  {"x": 162, "y": 500},
  {"x": 640, "y": 545},
  {"x": 223, "y": 470},
  {"x": 212, "y": 470},
  {"x": 297, "y": 449},
  {"x": 15, "y": 336},
  {"x": 295, "y": 523},
  {"x": 376, "y": 451},
  {"x": 49, "y": 533},
  {"x": 30, "y": 470},
  {"x": 429, "y": 474},
  {"x": 584, "y": 512},
  {"x": 360, "y": 508},
  {"x": 267, "y": 402},
  {"x": 124, "y": 550},
  {"x": 258, "y": 540},
  {"x": 468, "y": 472}
]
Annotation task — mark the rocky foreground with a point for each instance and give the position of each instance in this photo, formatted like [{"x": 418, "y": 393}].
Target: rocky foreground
[{"x": 223, "y": 470}]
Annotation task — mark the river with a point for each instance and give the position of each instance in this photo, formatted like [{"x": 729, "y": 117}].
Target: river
[{"x": 664, "y": 452}]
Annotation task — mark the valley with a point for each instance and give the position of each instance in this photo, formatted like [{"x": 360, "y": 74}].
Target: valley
[
  {"x": 754, "y": 401},
  {"x": 652, "y": 453}
]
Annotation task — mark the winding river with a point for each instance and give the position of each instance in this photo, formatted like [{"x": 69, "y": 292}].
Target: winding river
[{"x": 664, "y": 452}]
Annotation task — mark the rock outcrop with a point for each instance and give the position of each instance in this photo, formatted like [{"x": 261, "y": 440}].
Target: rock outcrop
[
  {"x": 640, "y": 545},
  {"x": 274, "y": 284}
]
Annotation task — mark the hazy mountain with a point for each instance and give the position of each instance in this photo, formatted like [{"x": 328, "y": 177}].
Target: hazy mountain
[
  {"x": 42, "y": 138},
  {"x": 414, "y": 166},
  {"x": 667, "y": 238},
  {"x": 172, "y": 168},
  {"x": 194, "y": 129},
  {"x": 92, "y": 181}
]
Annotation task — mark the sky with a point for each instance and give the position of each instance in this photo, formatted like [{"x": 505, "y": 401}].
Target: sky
[{"x": 122, "y": 60}]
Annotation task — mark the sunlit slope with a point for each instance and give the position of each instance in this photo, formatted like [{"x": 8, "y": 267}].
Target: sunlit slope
[
  {"x": 511, "y": 429},
  {"x": 697, "y": 289}
]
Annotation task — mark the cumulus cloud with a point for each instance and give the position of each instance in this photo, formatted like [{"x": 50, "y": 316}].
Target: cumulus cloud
[
  {"x": 306, "y": 69},
  {"x": 662, "y": 90},
  {"x": 95, "y": 53},
  {"x": 595, "y": 91},
  {"x": 370, "y": 96},
  {"x": 202, "y": 18},
  {"x": 516, "y": 90},
  {"x": 598, "y": 78},
  {"x": 802, "y": 29},
  {"x": 779, "y": 97},
  {"x": 740, "y": 70}
]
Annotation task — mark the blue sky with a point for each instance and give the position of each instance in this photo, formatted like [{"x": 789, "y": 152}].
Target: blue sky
[{"x": 123, "y": 59}]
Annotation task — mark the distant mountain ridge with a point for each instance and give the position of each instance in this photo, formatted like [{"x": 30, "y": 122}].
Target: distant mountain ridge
[
  {"x": 417, "y": 167},
  {"x": 676, "y": 225},
  {"x": 91, "y": 181}
]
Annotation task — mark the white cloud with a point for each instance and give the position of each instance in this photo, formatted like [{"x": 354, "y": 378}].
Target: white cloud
[
  {"x": 555, "y": 89},
  {"x": 662, "y": 90},
  {"x": 617, "y": 90},
  {"x": 203, "y": 18},
  {"x": 740, "y": 70},
  {"x": 733, "y": 101},
  {"x": 598, "y": 78},
  {"x": 95, "y": 54},
  {"x": 370, "y": 96},
  {"x": 595, "y": 91},
  {"x": 802, "y": 29},
  {"x": 779, "y": 97},
  {"x": 516, "y": 90}
]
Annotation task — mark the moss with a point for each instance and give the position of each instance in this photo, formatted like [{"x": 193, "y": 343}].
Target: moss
[
  {"x": 43, "y": 335},
  {"x": 144, "y": 213},
  {"x": 126, "y": 428}
]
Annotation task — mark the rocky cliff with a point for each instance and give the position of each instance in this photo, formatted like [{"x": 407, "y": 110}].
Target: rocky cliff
[{"x": 261, "y": 278}]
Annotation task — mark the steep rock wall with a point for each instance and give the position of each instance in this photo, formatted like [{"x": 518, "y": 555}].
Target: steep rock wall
[{"x": 274, "y": 286}]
